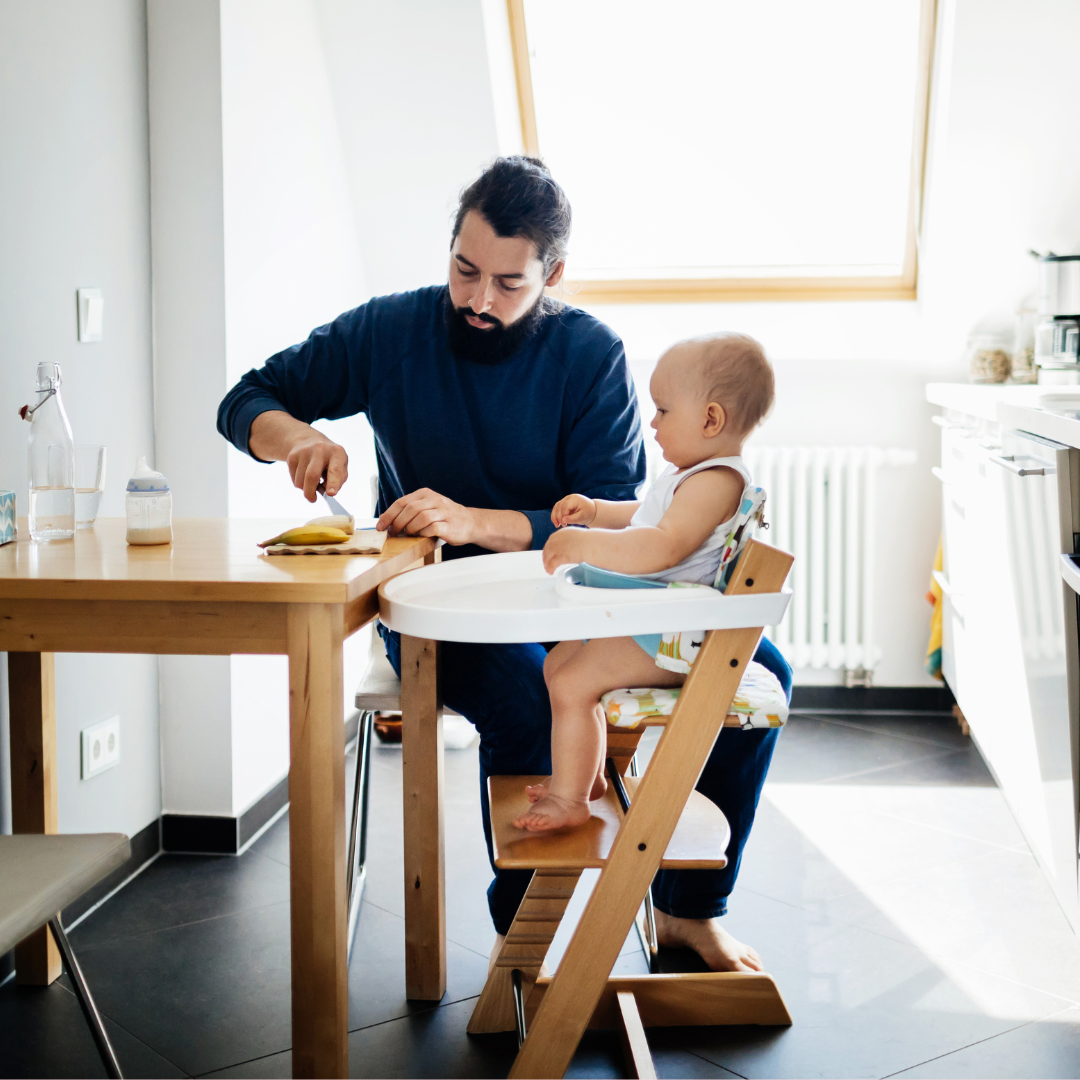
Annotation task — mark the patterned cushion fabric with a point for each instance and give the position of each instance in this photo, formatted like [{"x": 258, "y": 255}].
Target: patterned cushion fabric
[{"x": 760, "y": 702}]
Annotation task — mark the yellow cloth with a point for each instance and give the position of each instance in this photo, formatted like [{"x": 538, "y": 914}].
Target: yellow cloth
[{"x": 933, "y": 649}]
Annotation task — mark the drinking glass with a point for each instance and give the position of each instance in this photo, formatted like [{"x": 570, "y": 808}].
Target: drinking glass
[{"x": 89, "y": 484}]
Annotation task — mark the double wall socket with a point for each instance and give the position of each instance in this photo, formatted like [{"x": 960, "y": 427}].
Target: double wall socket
[{"x": 100, "y": 747}]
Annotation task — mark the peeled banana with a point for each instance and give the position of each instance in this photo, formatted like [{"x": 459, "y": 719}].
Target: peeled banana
[
  {"x": 309, "y": 534},
  {"x": 345, "y": 523}
]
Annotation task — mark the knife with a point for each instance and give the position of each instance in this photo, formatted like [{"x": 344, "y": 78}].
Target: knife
[{"x": 334, "y": 505}]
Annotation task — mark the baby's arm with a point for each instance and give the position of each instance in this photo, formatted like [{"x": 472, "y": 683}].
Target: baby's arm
[
  {"x": 700, "y": 504},
  {"x": 596, "y": 513}
]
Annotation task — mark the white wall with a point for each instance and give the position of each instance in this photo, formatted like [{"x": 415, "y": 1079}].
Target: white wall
[
  {"x": 188, "y": 258},
  {"x": 417, "y": 121},
  {"x": 292, "y": 262},
  {"x": 74, "y": 211},
  {"x": 1003, "y": 176},
  {"x": 287, "y": 138}
]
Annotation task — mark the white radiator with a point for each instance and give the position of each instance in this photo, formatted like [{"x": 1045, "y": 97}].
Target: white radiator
[{"x": 820, "y": 505}]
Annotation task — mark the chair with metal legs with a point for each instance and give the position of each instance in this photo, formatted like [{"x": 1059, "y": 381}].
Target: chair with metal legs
[
  {"x": 379, "y": 692},
  {"x": 41, "y": 875}
]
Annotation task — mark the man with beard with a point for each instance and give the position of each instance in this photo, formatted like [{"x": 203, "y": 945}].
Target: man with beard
[{"x": 489, "y": 402}]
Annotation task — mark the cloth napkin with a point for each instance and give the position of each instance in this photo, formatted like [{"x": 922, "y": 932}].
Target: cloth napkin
[{"x": 362, "y": 542}]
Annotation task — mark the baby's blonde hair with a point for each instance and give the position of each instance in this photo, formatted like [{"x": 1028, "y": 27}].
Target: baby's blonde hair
[{"x": 734, "y": 371}]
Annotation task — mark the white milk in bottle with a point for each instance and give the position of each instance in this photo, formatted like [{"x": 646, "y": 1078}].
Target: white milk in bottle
[{"x": 149, "y": 507}]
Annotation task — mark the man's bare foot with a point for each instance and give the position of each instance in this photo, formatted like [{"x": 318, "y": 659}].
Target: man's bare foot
[
  {"x": 552, "y": 812},
  {"x": 536, "y": 792},
  {"x": 709, "y": 940}
]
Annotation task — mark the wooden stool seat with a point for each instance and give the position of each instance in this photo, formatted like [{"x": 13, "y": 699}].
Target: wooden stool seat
[{"x": 698, "y": 843}]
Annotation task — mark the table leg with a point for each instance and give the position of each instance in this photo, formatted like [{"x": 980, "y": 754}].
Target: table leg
[
  {"x": 320, "y": 991},
  {"x": 422, "y": 783},
  {"x": 32, "y": 708}
]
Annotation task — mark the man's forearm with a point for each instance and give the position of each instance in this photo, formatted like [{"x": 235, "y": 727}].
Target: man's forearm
[
  {"x": 502, "y": 530},
  {"x": 274, "y": 434}
]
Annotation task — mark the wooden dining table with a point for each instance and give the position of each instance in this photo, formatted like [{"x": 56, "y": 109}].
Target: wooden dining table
[{"x": 213, "y": 592}]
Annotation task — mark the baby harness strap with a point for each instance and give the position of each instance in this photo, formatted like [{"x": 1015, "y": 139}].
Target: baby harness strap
[{"x": 751, "y": 516}]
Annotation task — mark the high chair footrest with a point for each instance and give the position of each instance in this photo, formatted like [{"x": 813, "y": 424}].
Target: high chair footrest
[
  {"x": 693, "y": 999},
  {"x": 698, "y": 843}
]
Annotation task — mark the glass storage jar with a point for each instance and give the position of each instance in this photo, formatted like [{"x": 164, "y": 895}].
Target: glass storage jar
[{"x": 989, "y": 356}]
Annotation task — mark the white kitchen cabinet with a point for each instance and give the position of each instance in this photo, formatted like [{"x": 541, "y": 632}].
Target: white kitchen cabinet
[{"x": 1009, "y": 622}]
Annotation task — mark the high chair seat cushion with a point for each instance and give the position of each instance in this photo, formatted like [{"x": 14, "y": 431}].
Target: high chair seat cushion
[{"x": 760, "y": 702}]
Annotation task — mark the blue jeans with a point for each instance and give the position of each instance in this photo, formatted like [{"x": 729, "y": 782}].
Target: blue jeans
[{"x": 501, "y": 690}]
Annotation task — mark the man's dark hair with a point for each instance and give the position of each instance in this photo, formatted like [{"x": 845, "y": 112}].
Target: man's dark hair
[{"x": 518, "y": 197}]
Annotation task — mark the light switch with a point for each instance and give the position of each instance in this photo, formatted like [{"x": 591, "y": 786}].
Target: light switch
[{"x": 91, "y": 312}]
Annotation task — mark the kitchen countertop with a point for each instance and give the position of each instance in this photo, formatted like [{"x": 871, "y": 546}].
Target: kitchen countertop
[
  {"x": 982, "y": 401},
  {"x": 1014, "y": 407}
]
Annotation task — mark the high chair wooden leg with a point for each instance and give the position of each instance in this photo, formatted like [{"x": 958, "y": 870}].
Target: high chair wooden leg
[
  {"x": 622, "y": 745},
  {"x": 526, "y": 945},
  {"x": 635, "y": 1045}
]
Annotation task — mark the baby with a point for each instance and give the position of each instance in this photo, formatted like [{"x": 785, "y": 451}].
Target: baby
[{"x": 710, "y": 393}]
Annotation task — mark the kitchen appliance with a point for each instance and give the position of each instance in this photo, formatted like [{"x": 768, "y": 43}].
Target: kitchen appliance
[
  {"x": 1057, "y": 336},
  {"x": 1042, "y": 525}
]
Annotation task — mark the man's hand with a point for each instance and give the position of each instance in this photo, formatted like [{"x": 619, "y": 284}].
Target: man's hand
[
  {"x": 565, "y": 546},
  {"x": 277, "y": 436},
  {"x": 427, "y": 513},
  {"x": 311, "y": 459},
  {"x": 573, "y": 510}
]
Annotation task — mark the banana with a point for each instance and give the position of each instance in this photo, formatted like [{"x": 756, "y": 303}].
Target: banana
[
  {"x": 309, "y": 534},
  {"x": 345, "y": 524}
]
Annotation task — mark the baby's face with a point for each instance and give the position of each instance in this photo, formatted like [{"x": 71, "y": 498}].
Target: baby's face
[{"x": 680, "y": 411}]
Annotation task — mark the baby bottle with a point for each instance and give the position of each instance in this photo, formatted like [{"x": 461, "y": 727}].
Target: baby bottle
[{"x": 149, "y": 507}]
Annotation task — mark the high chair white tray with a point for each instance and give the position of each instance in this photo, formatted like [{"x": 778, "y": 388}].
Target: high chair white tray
[{"x": 510, "y": 598}]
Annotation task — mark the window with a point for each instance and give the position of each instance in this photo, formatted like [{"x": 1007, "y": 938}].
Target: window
[{"x": 717, "y": 149}]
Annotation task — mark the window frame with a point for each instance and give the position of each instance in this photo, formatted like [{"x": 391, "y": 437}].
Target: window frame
[{"x": 902, "y": 286}]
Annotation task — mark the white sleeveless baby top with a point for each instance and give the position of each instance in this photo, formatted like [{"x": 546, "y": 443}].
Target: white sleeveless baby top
[{"x": 701, "y": 566}]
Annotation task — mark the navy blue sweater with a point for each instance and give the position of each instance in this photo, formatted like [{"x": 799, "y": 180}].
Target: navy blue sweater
[{"x": 559, "y": 416}]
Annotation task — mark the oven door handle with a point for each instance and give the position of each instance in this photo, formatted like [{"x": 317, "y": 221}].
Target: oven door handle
[
  {"x": 1009, "y": 463},
  {"x": 1070, "y": 572}
]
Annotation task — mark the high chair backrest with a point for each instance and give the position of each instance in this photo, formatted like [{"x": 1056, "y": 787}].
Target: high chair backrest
[{"x": 750, "y": 516}]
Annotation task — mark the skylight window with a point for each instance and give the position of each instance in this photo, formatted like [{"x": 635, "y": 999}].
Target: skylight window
[{"x": 714, "y": 148}]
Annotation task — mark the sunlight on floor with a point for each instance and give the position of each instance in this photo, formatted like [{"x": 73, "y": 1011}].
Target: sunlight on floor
[{"x": 943, "y": 869}]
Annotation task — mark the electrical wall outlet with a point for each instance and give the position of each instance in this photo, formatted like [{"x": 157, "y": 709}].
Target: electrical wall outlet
[{"x": 100, "y": 747}]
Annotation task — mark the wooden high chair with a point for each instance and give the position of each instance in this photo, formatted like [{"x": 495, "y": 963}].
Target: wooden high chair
[{"x": 641, "y": 825}]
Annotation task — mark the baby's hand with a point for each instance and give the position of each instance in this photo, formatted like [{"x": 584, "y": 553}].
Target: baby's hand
[
  {"x": 573, "y": 510},
  {"x": 562, "y": 548}
]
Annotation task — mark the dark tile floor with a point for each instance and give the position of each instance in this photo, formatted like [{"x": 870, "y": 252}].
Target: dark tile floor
[{"x": 886, "y": 886}]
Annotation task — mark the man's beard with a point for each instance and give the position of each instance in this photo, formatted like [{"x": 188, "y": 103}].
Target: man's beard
[{"x": 489, "y": 346}]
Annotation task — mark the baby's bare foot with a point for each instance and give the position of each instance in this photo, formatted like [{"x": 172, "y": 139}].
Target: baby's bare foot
[
  {"x": 552, "y": 812},
  {"x": 599, "y": 786},
  {"x": 536, "y": 792},
  {"x": 709, "y": 940}
]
